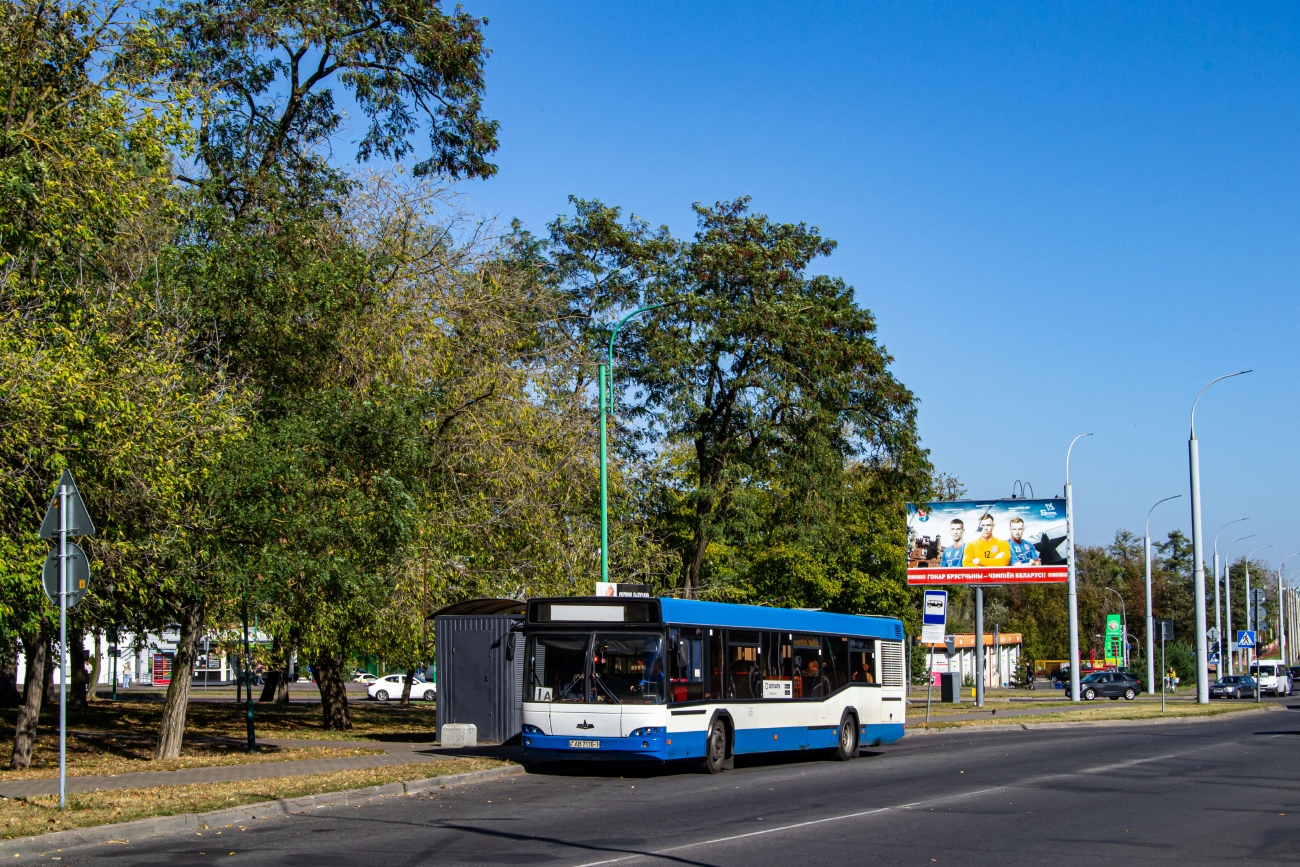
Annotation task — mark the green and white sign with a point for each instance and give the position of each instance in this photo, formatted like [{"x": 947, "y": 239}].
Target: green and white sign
[{"x": 1114, "y": 639}]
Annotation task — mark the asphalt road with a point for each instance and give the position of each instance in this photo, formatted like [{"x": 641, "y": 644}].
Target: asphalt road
[{"x": 1187, "y": 793}]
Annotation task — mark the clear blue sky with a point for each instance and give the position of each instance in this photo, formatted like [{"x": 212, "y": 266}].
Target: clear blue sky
[{"x": 1066, "y": 218}]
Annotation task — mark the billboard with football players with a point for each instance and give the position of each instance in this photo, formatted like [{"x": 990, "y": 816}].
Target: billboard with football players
[{"x": 1013, "y": 541}]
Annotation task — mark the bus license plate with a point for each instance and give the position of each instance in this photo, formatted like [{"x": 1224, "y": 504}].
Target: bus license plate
[{"x": 585, "y": 745}]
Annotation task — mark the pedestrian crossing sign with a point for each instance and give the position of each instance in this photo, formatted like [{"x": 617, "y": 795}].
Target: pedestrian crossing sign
[{"x": 1246, "y": 639}]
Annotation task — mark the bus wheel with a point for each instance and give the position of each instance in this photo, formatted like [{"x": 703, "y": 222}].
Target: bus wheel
[
  {"x": 715, "y": 748},
  {"x": 847, "y": 747}
]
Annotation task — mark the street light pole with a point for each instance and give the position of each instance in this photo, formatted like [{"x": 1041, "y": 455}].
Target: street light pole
[
  {"x": 605, "y": 393},
  {"x": 1250, "y": 616},
  {"x": 1151, "y": 649},
  {"x": 1198, "y": 564},
  {"x": 1218, "y": 625},
  {"x": 1281, "y": 600},
  {"x": 1124, "y": 615},
  {"x": 1227, "y": 604},
  {"x": 1074, "y": 584}
]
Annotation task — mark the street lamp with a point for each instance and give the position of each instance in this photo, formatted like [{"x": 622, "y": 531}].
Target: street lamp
[
  {"x": 1074, "y": 584},
  {"x": 1151, "y": 646},
  {"x": 1124, "y": 616},
  {"x": 605, "y": 393},
  {"x": 1227, "y": 593},
  {"x": 1281, "y": 625},
  {"x": 1198, "y": 565},
  {"x": 1218, "y": 626},
  {"x": 1250, "y": 616}
]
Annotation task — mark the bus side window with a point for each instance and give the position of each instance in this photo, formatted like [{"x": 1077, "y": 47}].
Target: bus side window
[
  {"x": 716, "y": 660},
  {"x": 686, "y": 664},
  {"x": 810, "y": 681},
  {"x": 862, "y": 660},
  {"x": 743, "y": 678},
  {"x": 835, "y": 660}
]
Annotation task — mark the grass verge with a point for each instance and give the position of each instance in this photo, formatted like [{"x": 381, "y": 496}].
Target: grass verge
[
  {"x": 386, "y": 721},
  {"x": 1086, "y": 714},
  {"x": 41, "y": 815},
  {"x": 107, "y": 755}
]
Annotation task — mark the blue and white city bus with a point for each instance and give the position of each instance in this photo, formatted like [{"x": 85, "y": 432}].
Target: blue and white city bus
[{"x": 661, "y": 679}]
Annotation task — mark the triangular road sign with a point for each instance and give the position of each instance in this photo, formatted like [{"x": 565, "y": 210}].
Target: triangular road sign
[{"x": 79, "y": 523}]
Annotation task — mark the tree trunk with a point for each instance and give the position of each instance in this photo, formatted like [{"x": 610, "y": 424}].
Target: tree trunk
[
  {"x": 700, "y": 545},
  {"x": 406, "y": 687},
  {"x": 276, "y": 688},
  {"x": 333, "y": 693},
  {"x": 96, "y": 665},
  {"x": 10, "y": 695},
  {"x": 76, "y": 669},
  {"x": 37, "y": 651},
  {"x": 171, "y": 731}
]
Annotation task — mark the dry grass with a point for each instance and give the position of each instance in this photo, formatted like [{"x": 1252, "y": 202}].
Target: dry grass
[
  {"x": 41, "y": 815},
  {"x": 89, "y": 756}
]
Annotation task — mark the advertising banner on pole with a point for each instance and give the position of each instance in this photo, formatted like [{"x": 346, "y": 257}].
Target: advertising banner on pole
[{"x": 986, "y": 542}]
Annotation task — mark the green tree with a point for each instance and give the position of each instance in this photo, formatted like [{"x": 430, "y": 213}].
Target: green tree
[
  {"x": 267, "y": 265},
  {"x": 93, "y": 362}
]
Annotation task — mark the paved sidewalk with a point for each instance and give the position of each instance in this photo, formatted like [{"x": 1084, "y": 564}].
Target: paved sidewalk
[{"x": 394, "y": 754}]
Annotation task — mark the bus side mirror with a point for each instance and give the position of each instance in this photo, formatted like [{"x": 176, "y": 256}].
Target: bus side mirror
[
  {"x": 510, "y": 648},
  {"x": 683, "y": 656}
]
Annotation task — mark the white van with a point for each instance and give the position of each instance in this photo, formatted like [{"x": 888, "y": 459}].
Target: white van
[{"x": 1272, "y": 676}]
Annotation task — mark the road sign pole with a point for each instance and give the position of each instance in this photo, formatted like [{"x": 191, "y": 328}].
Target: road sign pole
[
  {"x": 929, "y": 684},
  {"x": 63, "y": 647},
  {"x": 1164, "y": 672}
]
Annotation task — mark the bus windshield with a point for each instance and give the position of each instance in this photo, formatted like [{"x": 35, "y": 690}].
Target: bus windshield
[
  {"x": 607, "y": 668},
  {"x": 628, "y": 669}
]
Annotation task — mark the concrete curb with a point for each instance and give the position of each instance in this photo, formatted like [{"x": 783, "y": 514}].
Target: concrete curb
[
  {"x": 125, "y": 832},
  {"x": 1083, "y": 724}
]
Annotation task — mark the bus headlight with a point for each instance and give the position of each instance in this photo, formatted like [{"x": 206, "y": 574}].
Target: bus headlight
[
  {"x": 530, "y": 729},
  {"x": 646, "y": 731}
]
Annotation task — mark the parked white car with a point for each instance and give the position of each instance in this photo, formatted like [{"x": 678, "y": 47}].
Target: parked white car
[
  {"x": 1272, "y": 675},
  {"x": 390, "y": 687}
]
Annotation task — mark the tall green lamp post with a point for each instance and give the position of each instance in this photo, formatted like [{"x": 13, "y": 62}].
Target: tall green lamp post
[{"x": 606, "y": 397}]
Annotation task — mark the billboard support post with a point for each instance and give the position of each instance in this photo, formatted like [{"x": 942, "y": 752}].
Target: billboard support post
[
  {"x": 979, "y": 647},
  {"x": 1073, "y": 581}
]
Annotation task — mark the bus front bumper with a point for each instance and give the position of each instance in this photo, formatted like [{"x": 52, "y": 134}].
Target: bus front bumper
[{"x": 652, "y": 747}]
